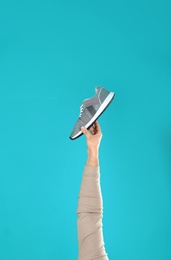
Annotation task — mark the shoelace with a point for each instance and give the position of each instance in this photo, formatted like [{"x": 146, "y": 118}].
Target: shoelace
[{"x": 81, "y": 110}]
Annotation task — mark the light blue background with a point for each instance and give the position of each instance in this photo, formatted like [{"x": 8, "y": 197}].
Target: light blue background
[{"x": 52, "y": 55}]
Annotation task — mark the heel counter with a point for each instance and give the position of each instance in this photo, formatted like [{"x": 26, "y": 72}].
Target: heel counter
[{"x": 103, "y": 94}]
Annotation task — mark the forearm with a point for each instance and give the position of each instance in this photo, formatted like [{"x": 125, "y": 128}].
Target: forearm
[{"x": 90, "y": 212}]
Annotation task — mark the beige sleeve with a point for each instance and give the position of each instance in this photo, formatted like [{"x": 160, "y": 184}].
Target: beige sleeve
[{"x": 90, "y": 213}]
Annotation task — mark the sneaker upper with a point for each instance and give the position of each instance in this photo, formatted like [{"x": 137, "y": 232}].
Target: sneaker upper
[{"x": 89, "y": 108}]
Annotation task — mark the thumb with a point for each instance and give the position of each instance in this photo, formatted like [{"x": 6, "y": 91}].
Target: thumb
[{"x": 85, "y": 131}]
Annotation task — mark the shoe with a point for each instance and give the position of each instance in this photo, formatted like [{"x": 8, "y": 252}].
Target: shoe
[{"x": 91, "y": 109}]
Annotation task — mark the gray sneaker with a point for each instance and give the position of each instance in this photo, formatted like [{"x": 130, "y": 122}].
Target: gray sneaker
[{"x": 91, "y": 109}]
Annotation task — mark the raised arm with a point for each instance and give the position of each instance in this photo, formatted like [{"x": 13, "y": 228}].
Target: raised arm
[{"x": 90, "y": 205}]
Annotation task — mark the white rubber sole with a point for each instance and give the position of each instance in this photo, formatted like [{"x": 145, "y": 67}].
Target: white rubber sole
[{"x": 98, "y": 113}]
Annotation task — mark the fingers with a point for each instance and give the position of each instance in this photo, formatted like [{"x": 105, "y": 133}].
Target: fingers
[
  {"x": 97, "y": 126},
  {"x": 94, "y": 129},
  {"x": 88, "y": 132}
]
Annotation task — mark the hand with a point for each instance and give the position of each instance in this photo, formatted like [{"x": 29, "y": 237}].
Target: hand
[{"x": 93, "y": 136}]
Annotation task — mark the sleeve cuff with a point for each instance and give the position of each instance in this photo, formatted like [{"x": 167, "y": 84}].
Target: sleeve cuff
[{"x": 92, "y": 171}]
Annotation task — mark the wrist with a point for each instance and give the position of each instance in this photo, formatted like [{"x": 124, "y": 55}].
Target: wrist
[
  {"x": 93, "y": 157},
  {"x": 93, "y": 151}
]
